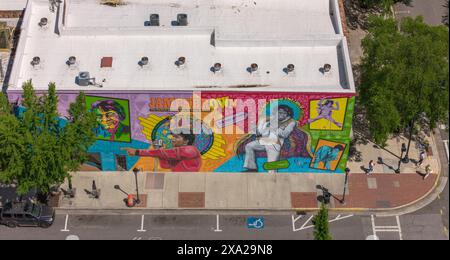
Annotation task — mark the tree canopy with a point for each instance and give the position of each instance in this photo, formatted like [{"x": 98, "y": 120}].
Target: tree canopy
[
  {"x": 321, "y": 227},
  {"x": 39, "y": 149},
  {"x": 404, "y": 74}
]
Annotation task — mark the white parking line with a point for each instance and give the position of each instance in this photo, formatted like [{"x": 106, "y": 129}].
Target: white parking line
[
  {"x": 65, "y": 225},
  {"x": 304, "y": 226},
  {"x": 295, "y": 220},
  {"x": 379, "y": 229},
  {"x": 217, "y": 226},
  {"x": 399, "y": 227},
  {"x": 142, "y": 225}
]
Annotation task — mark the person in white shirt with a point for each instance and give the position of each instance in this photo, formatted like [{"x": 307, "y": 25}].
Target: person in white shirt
[{"x": 270, "y": 138}]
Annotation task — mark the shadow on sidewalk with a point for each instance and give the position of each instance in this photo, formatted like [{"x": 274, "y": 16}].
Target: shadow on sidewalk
[{"x": 380, "y": 161}]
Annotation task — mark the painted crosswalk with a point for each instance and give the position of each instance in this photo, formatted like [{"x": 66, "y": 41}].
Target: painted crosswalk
[{"x": 384, "y": 228}]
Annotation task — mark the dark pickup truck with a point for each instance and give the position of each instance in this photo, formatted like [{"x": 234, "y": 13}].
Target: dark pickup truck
[{"x": 26, "y": 214}]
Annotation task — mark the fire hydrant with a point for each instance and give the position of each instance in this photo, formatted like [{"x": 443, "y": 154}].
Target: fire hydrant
[{"x": 130, "y": 201}]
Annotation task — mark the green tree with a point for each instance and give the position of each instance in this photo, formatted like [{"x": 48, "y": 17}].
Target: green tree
[
  {"x": 404, "y": 75},
  {"x": 321, "y": 229},
  {"x": 39, "y": 150}
]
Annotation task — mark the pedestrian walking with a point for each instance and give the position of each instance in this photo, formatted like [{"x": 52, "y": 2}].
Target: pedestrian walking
[
  {"x": 428, "y": 171},
  {"x": 421, "y": 158},
  {"x": 371, "y": 165}
]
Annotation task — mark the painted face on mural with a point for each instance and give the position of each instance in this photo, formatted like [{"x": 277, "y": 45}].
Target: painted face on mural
[
  {"x": 284, "y": 113},
  {"x": 110, "y": 120},
  {"x": 179, "y": 140},
  {"x": 109, "y": 114}
]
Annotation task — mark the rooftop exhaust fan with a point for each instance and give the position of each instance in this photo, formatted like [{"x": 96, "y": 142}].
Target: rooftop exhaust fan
[
  {"x": 182, "y": 19},
  {"x": 43, "y": 22},
  {"x": 180, "y": 62},
  {"x": 290, "y": 68},
  {"x": 143, "y": 61},
  {"x": 216, "y": 68},
  {"x": 253, "y": 68},
  {"x": 326, "y": 68},
  {"x": 154, "y": 20},
  {"x": 35, "y": 61},
  {"x": 71, "y": 61}
]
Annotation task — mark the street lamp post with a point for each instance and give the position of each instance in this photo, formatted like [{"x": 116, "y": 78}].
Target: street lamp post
[
  {"x": 136, "y": 170},
  {"x": 347, "y": 171},
  {"x": 401, "y": 158}
]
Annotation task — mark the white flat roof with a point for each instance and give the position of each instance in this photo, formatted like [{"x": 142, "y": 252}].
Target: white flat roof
[{"x": 235, "y": 33}]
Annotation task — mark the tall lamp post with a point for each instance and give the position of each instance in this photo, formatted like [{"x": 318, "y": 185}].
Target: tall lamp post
[
  {"x": 347, "y": 171},
  {"x": 401, "y": 158},
  {"x": 136, "y": 170}
]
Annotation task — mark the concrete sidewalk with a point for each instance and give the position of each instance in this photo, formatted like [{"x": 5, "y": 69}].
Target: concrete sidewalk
[{"x": 383, "y": 190}]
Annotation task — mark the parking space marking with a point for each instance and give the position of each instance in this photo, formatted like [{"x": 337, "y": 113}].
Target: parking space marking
[
  {"x": 399, "y": 227},
  {"x": 217, "y": 225},
  {"x": 65, "y": 225},
  {"x": 378, "y": 229},
  {"x": 304, "y": 226},
  {"x": 142, "y": 225},
  {"x": 294, "y": 220},
  {"x": 340, "y": 218}
]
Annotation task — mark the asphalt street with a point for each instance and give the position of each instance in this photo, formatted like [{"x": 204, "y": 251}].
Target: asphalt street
[{"x": 228, "y": 227}]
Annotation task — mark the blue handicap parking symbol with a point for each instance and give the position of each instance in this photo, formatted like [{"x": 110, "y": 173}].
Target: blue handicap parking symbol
[{"x": 255, "y": 222}]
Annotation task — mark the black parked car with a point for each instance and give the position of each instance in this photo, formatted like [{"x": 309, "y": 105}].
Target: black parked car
[{"x": 26, "y": 214}]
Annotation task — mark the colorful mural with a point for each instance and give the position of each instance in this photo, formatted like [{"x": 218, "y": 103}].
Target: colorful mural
[
  {"x": 327, "y": 114},
  {"x": 327, "y": 155},
  {"x": 228, "y": 131},
  {"x": 113, "y": 118}
]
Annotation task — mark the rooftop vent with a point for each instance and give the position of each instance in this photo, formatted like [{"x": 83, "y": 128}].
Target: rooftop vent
[
  {"x": 43, "y": 22},
  {"x": 106, "y": 62},
  {"x": 71, "y": 61},
  {"x": 182, "y": 19},
  {"x": 180, "y": 62},
  {"x": 154, "y": 20},
  {"x": 35, "y": 61},
  {"x": 216, "y": 68},
  {"x": 290, "y": 68},
  {"x": 326, "y": 68},
  {"x": 143, "y": 61},
  {"x": 253, "y": 68}
]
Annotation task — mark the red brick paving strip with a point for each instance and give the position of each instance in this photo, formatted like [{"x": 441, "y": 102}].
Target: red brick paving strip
[
  {"x": 191, "y": 199},
  {"x": 143, "y": 199},
  {"x": 387, "y": 195},
  {"x": 304, "y": 199}
]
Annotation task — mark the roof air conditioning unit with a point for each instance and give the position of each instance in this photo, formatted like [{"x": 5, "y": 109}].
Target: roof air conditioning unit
[
  {"x": 182, "y": 19},
  {"x": 83, "y": 79}
]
